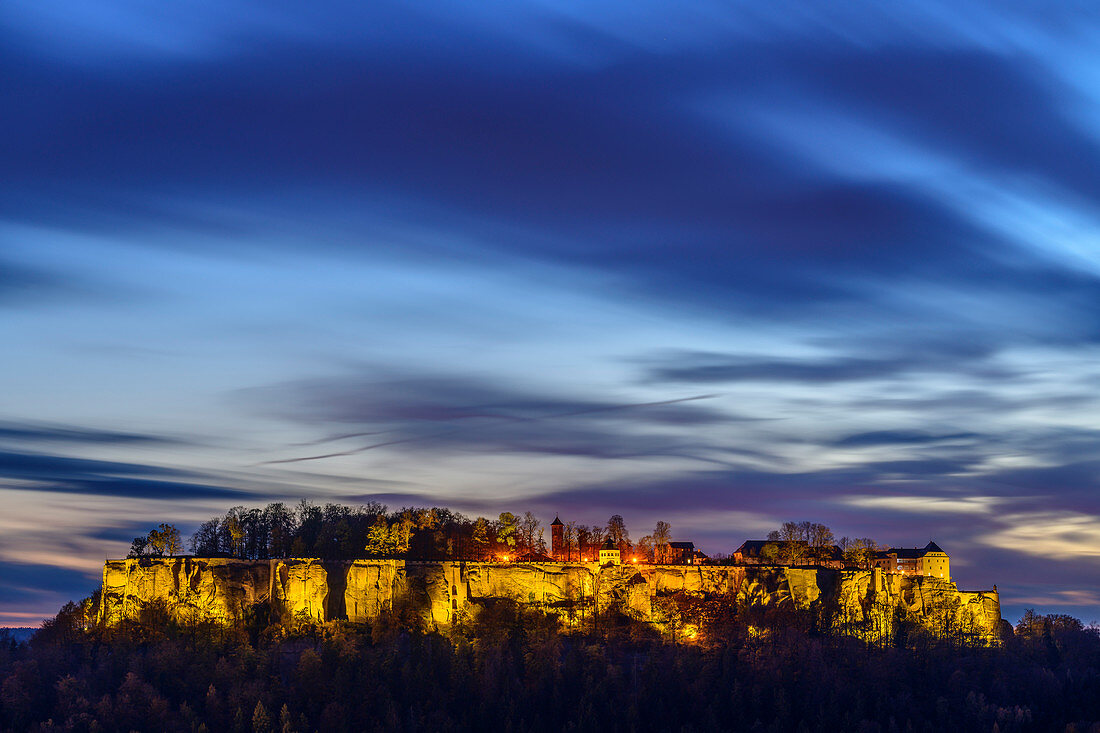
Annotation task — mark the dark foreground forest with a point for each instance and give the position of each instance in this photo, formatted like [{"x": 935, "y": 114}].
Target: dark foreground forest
[{"x": 515, "y": 670}]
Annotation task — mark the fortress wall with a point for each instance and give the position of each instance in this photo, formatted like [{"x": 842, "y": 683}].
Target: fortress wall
[{"x": 303, "y": 589}]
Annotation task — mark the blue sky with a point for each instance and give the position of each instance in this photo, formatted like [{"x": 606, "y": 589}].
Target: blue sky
[{"x": 722, "y": 266}]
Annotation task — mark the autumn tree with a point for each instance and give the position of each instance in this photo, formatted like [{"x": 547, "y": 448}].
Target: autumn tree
[
  {"x": 506, "y": 530},
  {"x": 480, "y": 536},
  {"x": 163, "y": 540},
  {"x": 234, "y": 531},
  {"x": 170, "y": 538},
  {"x": 380, "y": 542},
  {"x": 401, "y": 532}
]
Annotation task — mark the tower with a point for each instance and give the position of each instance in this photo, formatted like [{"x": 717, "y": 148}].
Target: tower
[{"x": 557, "y": 540}]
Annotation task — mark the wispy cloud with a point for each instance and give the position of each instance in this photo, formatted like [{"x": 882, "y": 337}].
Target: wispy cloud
[
  {"x": 924, "y": 504},
  {"x": 34, "y": 432},
  {"x": 457, "y": 413},
  {"x": 1056, "y": 534},
  {"x": 63, "y": 474}
]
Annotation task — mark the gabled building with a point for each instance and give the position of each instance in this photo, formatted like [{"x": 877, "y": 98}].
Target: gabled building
[
  {"x": 929, "y": 560},
  {"x": 777, "y": 552},
  {"x": 681, "y": 553},
  {"x": 751, "y": 552},
  {"x": 609, "y": 553}
]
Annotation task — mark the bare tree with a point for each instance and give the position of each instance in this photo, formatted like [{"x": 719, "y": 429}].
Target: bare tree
[
  {"x": 204, "y": 542},
  {"x": 617, "y": 532},
  {"x": 569, "y": 537},
  {"x": 819, "y": 535},
  {"x": 662, "y": 535},
  {"x": 529, "y": 532}
]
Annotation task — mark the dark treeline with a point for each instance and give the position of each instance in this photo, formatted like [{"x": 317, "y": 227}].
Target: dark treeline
[
  {"x": 510, "y": 669},
  {"x": 341, "y": 532}
]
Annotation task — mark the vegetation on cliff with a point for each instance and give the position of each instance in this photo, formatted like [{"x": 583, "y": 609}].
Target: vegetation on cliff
[
  {"x": 343, "y": 532},
  {"x": 513, "y": 669}
]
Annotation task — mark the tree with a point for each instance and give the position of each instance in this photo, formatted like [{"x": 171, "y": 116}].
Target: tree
[
  {"x": 164, "y": 540},
  {"x": 155, "y": 543},
  {"x": 589, "y": 540},
  {"x": 1031, "y": 625},
  {"x": 480, "y": 535},
  {"x": 401, "y": 533},
  {"x": 204, "y": 542},
  {"x": 261, "y": 721},
  {"x": 662, "y": 535},
  {"x": 617, "y": 532},
  {"x": 280, "y": 527},
  {"x": 310, "y": 521},
  {"x": 569, "y": 538},
  {"x": 820, "y": 536},
  {"x": 793, "y": 544},
  {"x": 506, "y": 529},
  {"x": 859, "y": 552},
  {"x": 529, "y": 532},
  {"x": 379, "y": 541},
  {"x": 235, "y": 530},
  {"x": 139, "y": 547},
  {"x": 171, "y": 539}
]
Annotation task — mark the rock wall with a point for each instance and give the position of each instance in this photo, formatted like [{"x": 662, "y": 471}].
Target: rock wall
[{"x": 865, "y": 602}]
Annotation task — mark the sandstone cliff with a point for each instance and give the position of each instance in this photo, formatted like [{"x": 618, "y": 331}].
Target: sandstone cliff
[{"x": 866, "y": 603}]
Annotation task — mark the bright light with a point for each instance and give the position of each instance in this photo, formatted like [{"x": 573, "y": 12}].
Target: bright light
[
  {"x": 634, "y": 559},
  {"x": 505, "y": 558}
]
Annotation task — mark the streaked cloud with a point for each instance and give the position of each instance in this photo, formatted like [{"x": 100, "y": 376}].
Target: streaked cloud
[
  {"x": 723, "y": 265},
  {"x": 925, "y": 504},
  {"x": 1083, "y": 597},
  {"x": 1056, "y": 534}
]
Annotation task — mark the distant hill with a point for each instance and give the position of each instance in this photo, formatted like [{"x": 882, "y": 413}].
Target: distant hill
[{"x": 19, "y": 633}]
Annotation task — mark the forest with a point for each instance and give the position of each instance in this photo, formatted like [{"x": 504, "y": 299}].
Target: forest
[
  {"x": 343, "y": 532},
  {"x": 507, "y": 668}
]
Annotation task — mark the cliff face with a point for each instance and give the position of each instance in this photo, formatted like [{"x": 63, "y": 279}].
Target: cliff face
[{"x": 867, "y": 603}]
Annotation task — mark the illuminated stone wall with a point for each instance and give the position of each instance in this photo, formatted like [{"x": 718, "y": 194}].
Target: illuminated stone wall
[{"x": 864, "y": 602}]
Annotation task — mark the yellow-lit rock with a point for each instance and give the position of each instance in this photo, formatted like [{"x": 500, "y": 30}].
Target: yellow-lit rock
[
  {"x": 300, "y": 589},
  {"x": 866, "y": 603}
]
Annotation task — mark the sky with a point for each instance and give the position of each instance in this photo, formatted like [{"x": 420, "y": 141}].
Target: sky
[{"x": 723, "y": 265}]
